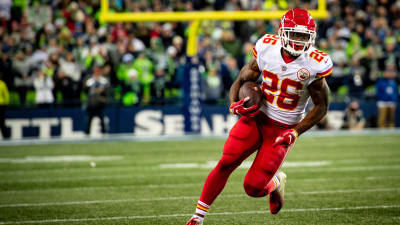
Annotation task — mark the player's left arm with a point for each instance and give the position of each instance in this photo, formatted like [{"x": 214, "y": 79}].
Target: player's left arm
[
  {"x": 249, "y": 72},
  {"x": 319, "y": 92}
]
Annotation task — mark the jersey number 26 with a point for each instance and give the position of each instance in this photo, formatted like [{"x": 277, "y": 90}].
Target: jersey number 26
[{"x": 285, "y": 100}]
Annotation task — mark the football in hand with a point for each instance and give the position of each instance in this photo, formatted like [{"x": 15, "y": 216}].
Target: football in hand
[{"x": 252, "y": 90}]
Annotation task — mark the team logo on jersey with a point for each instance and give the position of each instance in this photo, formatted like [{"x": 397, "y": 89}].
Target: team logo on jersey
[{"x": 303, "y": 74}]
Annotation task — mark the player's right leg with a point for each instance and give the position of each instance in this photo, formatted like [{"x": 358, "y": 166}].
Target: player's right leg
[
  {"x": 244, "y": 138},
  {"x": 263, "y": 177}
]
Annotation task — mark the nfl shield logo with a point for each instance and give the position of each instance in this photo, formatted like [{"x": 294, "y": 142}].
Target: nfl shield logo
[{"x": 284, "y": 68}]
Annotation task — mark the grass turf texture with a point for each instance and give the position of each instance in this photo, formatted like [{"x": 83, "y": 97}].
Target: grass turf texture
[{"x": 358, "y": 184}]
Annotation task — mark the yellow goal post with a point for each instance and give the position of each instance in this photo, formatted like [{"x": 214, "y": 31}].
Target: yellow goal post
[{"x": 197, "y": 16}]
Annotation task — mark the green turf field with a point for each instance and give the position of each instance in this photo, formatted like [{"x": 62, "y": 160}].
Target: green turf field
[{"x": 331, "y": 180}]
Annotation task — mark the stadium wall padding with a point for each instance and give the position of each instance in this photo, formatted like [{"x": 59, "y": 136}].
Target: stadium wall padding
[{"x": 138, "y": 121}]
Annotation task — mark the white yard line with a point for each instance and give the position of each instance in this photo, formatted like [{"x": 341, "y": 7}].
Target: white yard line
[
  {"x": 102, "y": 177},
  {"x": 190, "y": 197},
  {"x": 77, "y": 170},
  {"x": 99, "y": 169},
  {"x": 16, "y": 179},
  {"x": 245, "y": 165},
  {"x": 152, "y": 186},
  {"x": 91, "y": 188},
  {"x": 210, "y": 214},
  {"x": 344, "y": 191},
  {"x": 175, "y": 174},
  {"x": 348, "y": 168},
  {"x": 60, "y": 158}
]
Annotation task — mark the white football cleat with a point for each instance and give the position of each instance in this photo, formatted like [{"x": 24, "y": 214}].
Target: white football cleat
[
  {"x": 282, "y": 179},
  {"x": 195, "y": 220},
  {"x": 276, "y": 199}
]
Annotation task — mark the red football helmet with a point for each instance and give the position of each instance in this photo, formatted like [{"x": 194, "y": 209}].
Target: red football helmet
[{"x": 297, "y": 31}]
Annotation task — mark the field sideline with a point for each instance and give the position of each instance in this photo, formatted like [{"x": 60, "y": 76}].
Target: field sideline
[{"x": 343, "y": 179}]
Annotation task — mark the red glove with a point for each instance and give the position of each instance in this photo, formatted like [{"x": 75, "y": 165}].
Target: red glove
[
  {"x": 239, "y": 109},
  {"x": 286, "y": 138}
]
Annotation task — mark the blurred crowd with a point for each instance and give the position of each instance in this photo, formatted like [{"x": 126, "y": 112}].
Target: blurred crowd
[{"x": 57, "y": 52}]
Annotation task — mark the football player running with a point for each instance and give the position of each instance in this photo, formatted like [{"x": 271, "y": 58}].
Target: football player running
[{"x": 292, "y": 71}]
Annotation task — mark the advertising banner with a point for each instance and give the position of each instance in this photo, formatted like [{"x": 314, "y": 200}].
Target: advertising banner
[{"x": 142, "y": 121}]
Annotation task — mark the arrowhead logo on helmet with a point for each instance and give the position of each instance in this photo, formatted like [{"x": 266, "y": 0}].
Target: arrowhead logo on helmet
[{"x": 297, "y": 31}]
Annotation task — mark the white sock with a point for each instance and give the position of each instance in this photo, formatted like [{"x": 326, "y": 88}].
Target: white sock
[
  {"x": 273, "y": 184},
  {"x": 202, "y": 209}
]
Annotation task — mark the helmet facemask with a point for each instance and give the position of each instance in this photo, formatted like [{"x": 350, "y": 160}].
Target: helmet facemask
[{"x": 296, "y": 40}]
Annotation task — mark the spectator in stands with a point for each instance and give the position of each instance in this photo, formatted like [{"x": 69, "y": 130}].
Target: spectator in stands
[
  {"x": 370, "y": 62},
  {"x": 228, "y": 72},
  {"x": 232, "y": 44},
  {"x": 157, "y": 53},
  {"x": 70, "y": 68},
  {"x": 390, "y": 55},
  {"x": 177, "y": 42},
  {"x": 128, "y": 84},
  {"x": 52, "y": 48},
  {"x": 40, "y": 55},
  {"x": 167, "y": 34},
  {"x": 158, "y": 86},
  {"x": 119, "y": 32},
  {"x": 145, "y": 68},
  {"x": 356, "y": 80},
  {"x": 338, "y": 76},
  {"x": 22, "y": 75},
  {"x": 173, "y": 83},
  {"x": 97, "y": 88},
  {"x": 211, "y": 85},
  {"x": 137, "y": 44},
  {"x": 247, "y": 54},
  {"x": 64, "y": 83},
  {"x": 6, "y": 68},
  {"x": 91, "y": 54},
  {"x": 339, "y": 32},
  {"x": 5, "y": 10},
  {"x": 353, "y": 117},
  {"x": 387, "y": 97},
  {"x": 4, "y": 100},
  {"x": 132, "y": 90},
  {"x": 78, "y": 51},
  {"x": 44, "y": 85},
  {"x": 70, "y": 73}
]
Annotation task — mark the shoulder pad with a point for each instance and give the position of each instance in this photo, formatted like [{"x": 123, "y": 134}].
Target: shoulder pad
[{"x": 321, "y": 62}]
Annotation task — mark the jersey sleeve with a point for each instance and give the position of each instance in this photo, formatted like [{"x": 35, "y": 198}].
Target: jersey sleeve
[
  {"x": 257, "y": 49},
  {"x": 261, "y": 48},
  {"x": 324, "y": 68}
]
